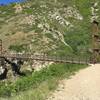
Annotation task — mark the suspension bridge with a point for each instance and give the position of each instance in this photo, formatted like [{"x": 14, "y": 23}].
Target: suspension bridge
[
  {"x": 57, "y": 59},
  {"x": 7, "y": 57}
]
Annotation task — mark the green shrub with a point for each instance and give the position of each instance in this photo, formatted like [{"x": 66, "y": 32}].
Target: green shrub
[
  {"x": 17, "y": 48},
  {"x": 33, "y": 81}
]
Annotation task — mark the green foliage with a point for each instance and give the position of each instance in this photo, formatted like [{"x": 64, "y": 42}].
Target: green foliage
[
  {"x": 77, "y": 37},
  {"x": 17, "y": 48},
  {"x": 56, "y": 71}
]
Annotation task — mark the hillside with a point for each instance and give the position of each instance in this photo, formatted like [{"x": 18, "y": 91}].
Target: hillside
[{"x": 55, "y": 26}]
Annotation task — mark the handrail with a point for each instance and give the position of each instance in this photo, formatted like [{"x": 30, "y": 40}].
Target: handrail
[{"x": 59, "y": 59}]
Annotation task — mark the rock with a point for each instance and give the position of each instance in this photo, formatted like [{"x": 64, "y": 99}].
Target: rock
[{"x": 18, "y": 8}]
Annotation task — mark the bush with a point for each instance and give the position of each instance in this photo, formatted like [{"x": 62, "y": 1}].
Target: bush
[{"x": 33, "y": 81}]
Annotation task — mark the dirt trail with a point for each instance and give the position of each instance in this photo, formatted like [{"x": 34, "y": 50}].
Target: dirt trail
[{"x": 85, "y": 85}]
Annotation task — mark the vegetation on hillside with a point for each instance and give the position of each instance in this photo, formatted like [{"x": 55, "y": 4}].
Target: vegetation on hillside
[
  {"x": 53, "y": 26},
  {"x": 44, "y": 80}
]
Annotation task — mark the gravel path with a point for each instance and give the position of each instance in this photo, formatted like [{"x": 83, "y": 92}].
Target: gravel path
[{"x": 85, "y": 85}]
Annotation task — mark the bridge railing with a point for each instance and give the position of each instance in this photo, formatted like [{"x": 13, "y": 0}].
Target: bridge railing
[{"x": 63, "y": 59}]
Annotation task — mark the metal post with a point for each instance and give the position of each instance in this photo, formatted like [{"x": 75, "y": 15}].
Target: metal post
[
  {"x": 1, "y": 52},
  {"x": 95, "y": 43},
  {"x": 95, "y": 35},
  {"x": 0, "y": 46}
]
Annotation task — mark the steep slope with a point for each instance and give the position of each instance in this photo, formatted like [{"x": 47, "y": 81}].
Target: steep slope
[{"x": 53, "y": 26}]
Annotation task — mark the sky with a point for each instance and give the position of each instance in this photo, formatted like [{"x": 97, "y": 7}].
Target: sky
[{"x": 9, "y": 1}]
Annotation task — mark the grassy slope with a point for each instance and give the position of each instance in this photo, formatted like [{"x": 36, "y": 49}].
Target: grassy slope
[
  {"x": 77, "y": 37},
  {"x": 39, "y": 84}
]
